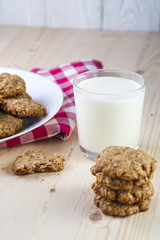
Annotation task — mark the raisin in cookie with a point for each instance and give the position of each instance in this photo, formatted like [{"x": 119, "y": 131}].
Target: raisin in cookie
[
  {"x": 23, "y": 107},
  {"x": 125, "y": 163},
  {"x": 117, "y": 209},
  {"x": 11, "y": 85},
  {"x": 9, "y": 124},
  {"x": 38, "y": 161},
  {"x": 136, "y": 194}
]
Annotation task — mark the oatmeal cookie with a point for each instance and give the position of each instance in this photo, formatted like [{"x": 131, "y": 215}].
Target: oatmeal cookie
[
  {"x": 38, "y": 161},
  {"x": 134, "y": 195},
  {"x": 11, "y": 85},
  {"x": 23, "y": 95},
  {"x": 117, "y": 183},
  {"x": 23, "y": 107},
  {"x": 1, "y": 99},
  {"x": 118, "y": 209},
  {"x": 9, "y": 124},
  {"x": 125, "y": 163}
]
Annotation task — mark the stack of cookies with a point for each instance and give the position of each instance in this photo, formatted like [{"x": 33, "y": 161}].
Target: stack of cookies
[
  {"x": 123, "y": 185},
  {"x": 15, "y": 105}
]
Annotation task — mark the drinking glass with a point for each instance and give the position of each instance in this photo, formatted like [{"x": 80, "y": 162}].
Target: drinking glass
[{"x": 109, "y": 106}]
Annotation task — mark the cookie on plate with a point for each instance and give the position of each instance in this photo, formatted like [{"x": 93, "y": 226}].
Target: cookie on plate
[
  {"x": 23, "y": 106},
  {"x": 9, "y": 124},
  {"x": 23, "y": 95},
  {"x": 11, "y": 85},
  {"x": 125, "y": 163},
  {"x": 118, "y": 209},
  {"x": 136, "y": 194},
  {"x": 38, "y": 161},
  {"x": 1, "y": 99}
]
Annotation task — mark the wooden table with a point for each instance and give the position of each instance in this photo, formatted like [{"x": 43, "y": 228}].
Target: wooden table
[{"x": 29, "y": 209}]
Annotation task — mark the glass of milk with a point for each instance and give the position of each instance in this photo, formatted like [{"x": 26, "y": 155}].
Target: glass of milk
[{"x": 109, "y": 105}]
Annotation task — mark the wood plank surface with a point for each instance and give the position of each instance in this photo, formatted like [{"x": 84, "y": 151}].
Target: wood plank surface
[
  {"x": 132, "y": 15},
  {"x": 83, "y": 14},
  {"x": 52, "y": 13},
  {"x": 60, "y": 205}
]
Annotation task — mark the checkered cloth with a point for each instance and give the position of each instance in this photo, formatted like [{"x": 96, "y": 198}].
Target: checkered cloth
[{"x": 63, "y": 123}]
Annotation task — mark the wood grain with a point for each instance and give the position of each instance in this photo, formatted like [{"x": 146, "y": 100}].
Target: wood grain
[
  {"x": 75, "y": 14},
  {"x": 52, "y": 13},
  {"x": 131, "y": 15},
  {"x": 26, "y": 12},
  {"x": 60, "y": 205},
  {"x": 83, "y": 14}
]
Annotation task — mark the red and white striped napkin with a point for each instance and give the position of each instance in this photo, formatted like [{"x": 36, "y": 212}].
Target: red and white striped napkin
[{"x": 63, "y": 123}]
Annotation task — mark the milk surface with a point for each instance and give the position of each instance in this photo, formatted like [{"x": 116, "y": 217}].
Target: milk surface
[
  {"x": 109, "y": 111},
  {"x": 109, "y": 85}
]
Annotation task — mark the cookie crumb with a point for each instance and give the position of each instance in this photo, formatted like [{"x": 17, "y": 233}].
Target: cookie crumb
[
  {"x": 140, "y": 71},
  {"x": 95, "y": 216},
  {"x": 52, "y": 190}
]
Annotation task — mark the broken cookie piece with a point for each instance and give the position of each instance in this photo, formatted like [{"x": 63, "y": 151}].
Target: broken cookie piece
[{"x": 38, "y": 161}]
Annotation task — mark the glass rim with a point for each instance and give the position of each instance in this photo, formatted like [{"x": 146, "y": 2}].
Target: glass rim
[{"x": 110, "y": 70}]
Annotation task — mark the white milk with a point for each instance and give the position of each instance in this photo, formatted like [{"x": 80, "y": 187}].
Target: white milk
[{"x": 109, "y": 112}]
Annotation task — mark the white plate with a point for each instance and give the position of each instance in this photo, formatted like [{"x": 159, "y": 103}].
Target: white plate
[{"x": 42, "y": 90}]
